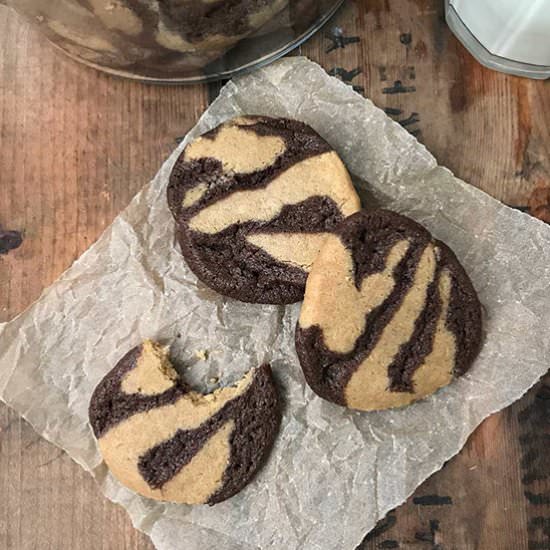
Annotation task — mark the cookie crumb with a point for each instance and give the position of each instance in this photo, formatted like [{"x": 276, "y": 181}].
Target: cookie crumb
[{"x": 202, "y": 354}]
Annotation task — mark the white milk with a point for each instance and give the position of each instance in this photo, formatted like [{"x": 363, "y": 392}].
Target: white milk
[{"x": 514, "y": 29}]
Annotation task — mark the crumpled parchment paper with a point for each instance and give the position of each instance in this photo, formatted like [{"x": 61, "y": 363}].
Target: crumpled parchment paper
[{"x": 333, "y": 473}]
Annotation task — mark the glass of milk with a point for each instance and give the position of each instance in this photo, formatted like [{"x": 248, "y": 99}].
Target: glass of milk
[{"x": 512, "y": 36}]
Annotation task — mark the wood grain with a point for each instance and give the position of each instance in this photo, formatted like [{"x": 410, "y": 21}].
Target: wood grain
[
  {"x": 76, "y": 145},
  {"x": 489, "y": 128}
]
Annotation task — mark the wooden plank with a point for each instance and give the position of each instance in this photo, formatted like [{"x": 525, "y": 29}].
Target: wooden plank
[
  {"x": 77, "y": 145},
  {"x": 489, "y": 128},
  {"x": 494, "y": 495}
]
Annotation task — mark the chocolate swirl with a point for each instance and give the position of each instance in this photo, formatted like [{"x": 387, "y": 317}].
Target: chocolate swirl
[
  {"x": 167, "y": 442},
  {"x": 253, "y": 201},
  {"x": 389, "y": 315}
]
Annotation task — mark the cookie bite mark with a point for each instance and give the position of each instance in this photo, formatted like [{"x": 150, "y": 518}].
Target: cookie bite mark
[
  {"x": 239, "y": 151},
  {"x": 339, "y": 308},
  {"x": 181, "y": 449},
  {"x": 153, "y": 373},
  {"x": 369, "y": 384},
  {"x": 253, "y": 429},
  {"x": 144, "y": 431},
  {"x": 292, "y": 248},
  {"x": 323, "y": 175},
  {"x": 110, "y": 405}
]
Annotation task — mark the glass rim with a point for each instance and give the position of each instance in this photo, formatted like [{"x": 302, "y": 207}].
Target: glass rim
[{"x": 484, "y": 56}]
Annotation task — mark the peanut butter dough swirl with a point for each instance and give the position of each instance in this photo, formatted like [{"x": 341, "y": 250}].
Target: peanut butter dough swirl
[
  {"x": 389, "y": 314},
  {"x": 166, "y": 442},
  {"x": 253, "y": 201}
]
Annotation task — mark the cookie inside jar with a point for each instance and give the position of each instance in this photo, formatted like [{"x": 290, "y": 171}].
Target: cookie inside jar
[{"x": 176, "y": 40}]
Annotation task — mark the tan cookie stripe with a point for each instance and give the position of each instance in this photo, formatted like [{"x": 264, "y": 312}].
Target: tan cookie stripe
[
  {"x": 437, "y": 369},
  {"x": 368, "y": 387},
  {"x": 322, "y": 175},
  {"x": 124, "y": 444},
  {"x": 334, "y": 303},
  {"x": 194, "y": 195},
  {"x": 240, "y": 151},
  {"x": 298, "y": 249}
]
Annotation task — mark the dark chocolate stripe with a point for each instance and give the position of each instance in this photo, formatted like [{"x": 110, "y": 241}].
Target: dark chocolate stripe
[
  {"x": 328, "y": 372},
  {"x": 256, "y": 426},
  {"x": 198, "y": 20},
  {"x": 256, "y": 416},
  {"x": 370, "y": 244},
  {"x": 223, "y": 255},
  {"x": 464, "y": 318},
  {"x": 369, "y": 236},
  {"x": 381, "y": 316},
  {"x": 109, "y": 405},
  {"x": 301, "y": 142},
  {"x": 411, "y": 355}
]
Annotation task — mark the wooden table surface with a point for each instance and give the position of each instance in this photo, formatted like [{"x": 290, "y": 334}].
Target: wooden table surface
[{"x": 76, "y": 145}]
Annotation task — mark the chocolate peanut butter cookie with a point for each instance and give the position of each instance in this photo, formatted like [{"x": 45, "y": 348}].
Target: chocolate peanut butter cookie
[
  {"x": 253, "y": 201},
  {"x": 150, "y": 38},
  {"x": 389, "y": 314},
  {"x": 198, "y": 25},
  {"x": 169, "y": 443}
]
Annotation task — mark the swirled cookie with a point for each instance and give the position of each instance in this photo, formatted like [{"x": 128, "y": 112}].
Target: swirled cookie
[
  {"x": 202, "y": 25},
  {"x": 169, "y": 443},
  {"x": 253, "y": 201},
  {"x": 389, "y": 315}
]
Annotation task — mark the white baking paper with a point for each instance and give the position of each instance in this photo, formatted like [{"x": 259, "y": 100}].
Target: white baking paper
[{"x": 333, "y": 473}]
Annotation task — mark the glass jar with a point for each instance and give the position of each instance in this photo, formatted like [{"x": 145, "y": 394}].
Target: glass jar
[
  {"x": 512, "y": 36},
  {"x": 176, "y": 40}
]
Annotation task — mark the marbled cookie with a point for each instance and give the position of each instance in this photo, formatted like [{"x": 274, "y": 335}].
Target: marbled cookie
[
  {"x": 169, "y": 443},
  {"x": 203, "y": 25},
  {"x": 389, "y": 315},
  {"x": 253, "y": 201}
]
